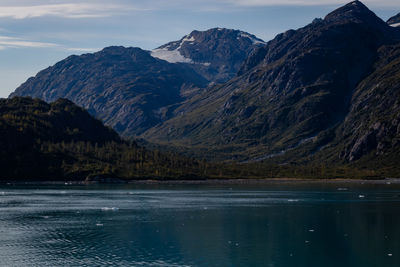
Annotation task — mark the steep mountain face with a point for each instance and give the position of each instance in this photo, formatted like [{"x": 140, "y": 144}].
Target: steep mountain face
[
  {"x": 298, "y": 86},
  {"x": 394, "y": 21},
  {"x": 373, "y": 123},
  {"x": 125, "y": 87},
  {"x": 216, "y": 54}
]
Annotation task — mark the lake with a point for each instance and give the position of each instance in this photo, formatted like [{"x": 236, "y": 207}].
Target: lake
[{"x": 273, "y": 225}]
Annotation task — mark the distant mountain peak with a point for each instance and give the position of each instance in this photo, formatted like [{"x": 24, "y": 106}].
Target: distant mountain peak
[
  {"x": 394, "y": 21},
  {"x": 173, "y": 51},
  {"x": 355, "y": 10},
  {"x": 216, "y": 54}
]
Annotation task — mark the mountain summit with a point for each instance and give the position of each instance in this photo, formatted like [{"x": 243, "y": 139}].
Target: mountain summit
[
  {"x": 394, "y": 21},
  {"x": 216, "y": 54}
]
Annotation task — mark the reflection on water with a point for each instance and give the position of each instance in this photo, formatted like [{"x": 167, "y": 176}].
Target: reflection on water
[{"x": 200, "y": 226}]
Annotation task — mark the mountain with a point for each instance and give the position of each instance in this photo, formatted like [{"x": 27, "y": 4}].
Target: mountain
[
  {"x": 394, "y": 21},
  {"x": 126, "y": 88},
  {"x": 27, "y": 125},
  {"x": 131, "y": 89},
  {"x": 61, "y": 141},
  {"x": 293, "y": 92},
  {"x": 216, "y": 54}
]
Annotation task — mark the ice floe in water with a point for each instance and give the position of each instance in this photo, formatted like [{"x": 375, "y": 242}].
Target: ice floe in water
[
  {"x": 109, "y": 209},
  {"x": 342, "y": 189}
]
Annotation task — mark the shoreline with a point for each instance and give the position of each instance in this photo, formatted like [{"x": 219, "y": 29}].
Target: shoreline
[{"x": 233, "y": 181}]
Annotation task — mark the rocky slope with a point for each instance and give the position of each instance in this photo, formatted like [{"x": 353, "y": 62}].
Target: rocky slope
[
  {"x": 216, "y": 54},
  {"x": 373, "y": 122},
  {"x": 289, "y": 93},
  {"x": 125, "y": 87}
]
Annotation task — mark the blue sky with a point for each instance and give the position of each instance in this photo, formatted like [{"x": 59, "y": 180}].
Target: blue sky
[{"x": 35, "y": 34}]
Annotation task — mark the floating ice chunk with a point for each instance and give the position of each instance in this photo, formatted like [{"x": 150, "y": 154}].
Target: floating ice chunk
[
  {"x": 361, "y": 196},
  {"x": 109, "y": 209},
  {"x": 99, "y": 224},
  {"x": 293, "y": 200},
  {"x": 342, "y": 189},
  {"x": 311, "y": 230},
  {"x": 395, "y": 24},
  {"x": 390, "y": 254}
]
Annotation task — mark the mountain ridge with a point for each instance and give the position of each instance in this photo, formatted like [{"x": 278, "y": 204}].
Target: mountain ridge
[{"x": 287, "y": 93}]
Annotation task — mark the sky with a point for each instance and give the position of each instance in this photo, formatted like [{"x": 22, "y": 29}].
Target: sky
[{"x": 36, "y": 34}]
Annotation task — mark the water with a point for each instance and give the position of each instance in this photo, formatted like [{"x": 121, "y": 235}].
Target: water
[{"x": 132, "y": 225}]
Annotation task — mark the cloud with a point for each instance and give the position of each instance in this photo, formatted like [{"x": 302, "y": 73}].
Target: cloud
[
  {"x": 84, "y": 50},
  {"x": 13, "y": 42},
  {"x": 7, "y": 42},
  {"x": 66, "y": 10}
]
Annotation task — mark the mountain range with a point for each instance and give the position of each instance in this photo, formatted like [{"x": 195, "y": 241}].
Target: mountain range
[
  {"x": 325, "y": 93},
  {"x": 131, "y": 89}
]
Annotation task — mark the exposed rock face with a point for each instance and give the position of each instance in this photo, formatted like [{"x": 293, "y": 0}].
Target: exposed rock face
[
  {"x": 373, "y": 123},
  {"x": 288, "y": 92},
  {"x": 125, "y": 87},
  {"x": 216, "y": 54}
]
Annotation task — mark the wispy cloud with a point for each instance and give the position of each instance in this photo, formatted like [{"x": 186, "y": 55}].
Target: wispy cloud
[
  {"x": 7, "y": 42},
  {"x": 66, "y": 10},
  {"x": 13, "y": 42},
  {"x": 84, "y": 50}
]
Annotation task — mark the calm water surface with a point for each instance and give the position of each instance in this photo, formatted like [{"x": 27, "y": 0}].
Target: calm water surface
[{"x": 132, "y": 225}]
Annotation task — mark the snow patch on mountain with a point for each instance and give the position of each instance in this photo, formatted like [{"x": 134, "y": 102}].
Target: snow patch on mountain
[
  {"x": 173, "y": 56},
  {"x": 252, "y": 38}
]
